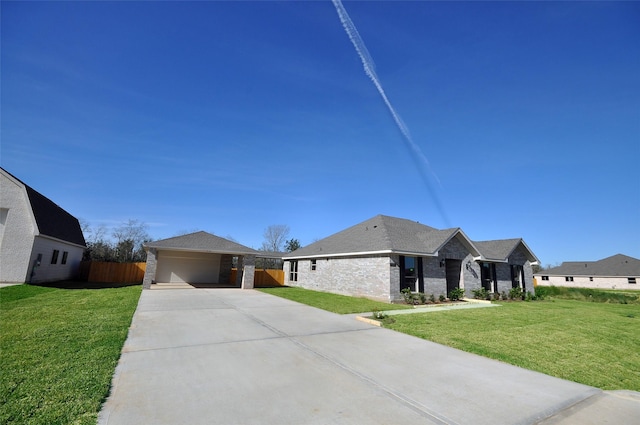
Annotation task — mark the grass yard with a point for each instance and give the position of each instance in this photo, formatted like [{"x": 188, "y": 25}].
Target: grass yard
[
  {"x": 597, "y": 344},
  {"x": 59, "y": 349},
  {"x": 340, "y": 304}
]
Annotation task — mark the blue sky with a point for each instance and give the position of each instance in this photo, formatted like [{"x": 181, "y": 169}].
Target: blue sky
[{"x": 232, "y": 116}]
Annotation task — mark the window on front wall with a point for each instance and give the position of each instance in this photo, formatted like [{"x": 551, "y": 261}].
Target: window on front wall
[
  {"x": 631, "y": 280},
  {"x": 64, "y": 257},
  {"x": 313, "y": 265},
  {"x": 545, "y": 277},
  {"x": 293, "y": 271},
  {"x": 568, "y": 278},
  {"x": 54, "y": 257},
  {"x": 591, "y": 279}
]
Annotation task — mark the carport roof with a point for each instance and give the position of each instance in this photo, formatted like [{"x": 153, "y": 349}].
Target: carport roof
[{"x": 201, "y": 242}]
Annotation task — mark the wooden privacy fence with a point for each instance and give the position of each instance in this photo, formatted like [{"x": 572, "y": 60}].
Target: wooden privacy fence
[
  {"x": 263, "y": 277},
  {"x": 102, "y": 272}
]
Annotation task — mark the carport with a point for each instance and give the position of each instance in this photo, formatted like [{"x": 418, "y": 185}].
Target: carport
[{"x": 198, "y": 259}]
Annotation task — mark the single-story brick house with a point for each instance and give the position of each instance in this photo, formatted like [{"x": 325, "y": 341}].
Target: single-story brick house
[
  {"x": 383, "y": 255},
  {"x": 616, "y": 272},
  {"x": 39, "y": 241}
]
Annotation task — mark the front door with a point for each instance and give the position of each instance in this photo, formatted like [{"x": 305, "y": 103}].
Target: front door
[
  {"x": 452, "y": 270},
  {"x": 488, "y": 276}
]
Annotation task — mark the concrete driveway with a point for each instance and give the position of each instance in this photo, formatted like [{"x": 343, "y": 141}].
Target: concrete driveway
[{"x": 231, "y": 356}]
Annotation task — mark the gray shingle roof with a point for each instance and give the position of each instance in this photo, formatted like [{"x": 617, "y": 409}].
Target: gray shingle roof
[
  {"x": 51, "y": 219},
  {"x": 501, "y": 249},
  {"x": 616, "y": 265},
  {"x": 202, "y": 242},
  {"x": 381, "y": 234}
]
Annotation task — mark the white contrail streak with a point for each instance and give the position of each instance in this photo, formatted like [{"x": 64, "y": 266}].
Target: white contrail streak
[{"x": 369, "y": 69}]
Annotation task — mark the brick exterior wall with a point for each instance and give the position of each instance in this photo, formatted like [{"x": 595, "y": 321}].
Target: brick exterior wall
[
  {"x": 150, "y": 271},
  {"x": 435, "y": 279},
  {"x": 378, "y": 277},
  {"x": 226, "y": 264},
  {"x": 357, "y": 276},
  {"x": 503, "y": 271},
  {"x": 598, "y": 282}
]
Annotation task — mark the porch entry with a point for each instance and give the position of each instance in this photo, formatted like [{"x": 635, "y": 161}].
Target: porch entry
[
  {"x": 488, "y": 277},
  {"x": 452, "y": 272},
  {"x": 517, "y": 277},
  {"x": 411, "y": 275}
]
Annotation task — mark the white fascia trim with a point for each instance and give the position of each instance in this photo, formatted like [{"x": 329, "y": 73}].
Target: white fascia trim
[
  {"x": 624, "y": 276},
  {"x": 360, "y": 254}
]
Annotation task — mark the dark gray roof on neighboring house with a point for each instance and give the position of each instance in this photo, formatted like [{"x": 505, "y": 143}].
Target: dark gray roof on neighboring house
[
  {"x": 202, "y": 242},
  {"x": 51, "y": 219},
  {"x": 382, "y": 234},
  {"x": 501, "y": 249},
  {"x": 616, "y": 265}
]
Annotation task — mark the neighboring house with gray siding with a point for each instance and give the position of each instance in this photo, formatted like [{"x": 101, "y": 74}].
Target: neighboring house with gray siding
[
  {"x": 39, "y": 241},
  {"x": 616, "y": 272},
  {"x": 381, "y": 256}
]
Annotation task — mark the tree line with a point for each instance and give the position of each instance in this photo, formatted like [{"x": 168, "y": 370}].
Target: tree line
[{"x": 124, "y": 243}]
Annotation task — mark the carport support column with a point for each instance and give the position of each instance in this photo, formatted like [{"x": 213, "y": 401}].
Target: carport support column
[
  {"x": 249, "y": 271},
  {"x": 150, "y": 270}
]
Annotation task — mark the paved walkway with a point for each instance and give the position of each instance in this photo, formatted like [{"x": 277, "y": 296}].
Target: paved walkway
[{"x": 228, "y": 356}]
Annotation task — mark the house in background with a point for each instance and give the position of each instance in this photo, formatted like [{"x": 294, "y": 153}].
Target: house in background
[
  {"x": 380, "y": 257},
  {"x": 39, "y": 241},
  {"x": 615, "y": 272},
  {"x": 198, "y": 258}
]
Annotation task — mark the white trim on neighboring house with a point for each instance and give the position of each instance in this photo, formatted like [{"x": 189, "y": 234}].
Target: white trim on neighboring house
[
  {"x": 38, "y": 235},
  {"x": 363, "y": 253}
]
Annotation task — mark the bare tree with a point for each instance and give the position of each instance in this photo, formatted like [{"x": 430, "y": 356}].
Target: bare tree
[
  {"x": 129, "y": 239},
  {"x": 275, "y": 237}
]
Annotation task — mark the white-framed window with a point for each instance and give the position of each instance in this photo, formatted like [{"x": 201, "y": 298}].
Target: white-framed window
[
  {"x": 54, "y": 256},
  {"x": 313, "y": 265},
  {"x": 568, "y": 278},
  {"x": 293, "y": 270}
]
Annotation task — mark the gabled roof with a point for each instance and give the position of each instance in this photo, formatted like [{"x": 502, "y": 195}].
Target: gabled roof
[
  {"x": 383, "y": 234},
  {"x": 616, "y": 265},
  {"x": 51, "y": 219},
  {"x": 201, "y": 242},
  {"x": 501, "y": 249}
]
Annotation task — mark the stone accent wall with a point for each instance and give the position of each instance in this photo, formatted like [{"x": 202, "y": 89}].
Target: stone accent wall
[
  {"x": 150, "y": 271},
  {"x": 248, "y": 271},
  {"x": 226, "y": 264},
  {"x": 356, "y": 276},
  {"x": 394, "y": 278},
  {"x": 239, "y": 268}
]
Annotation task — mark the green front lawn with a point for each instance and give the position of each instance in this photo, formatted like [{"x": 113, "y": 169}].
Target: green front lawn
[
  {"x": 340, "y": 304},
  {"x": 597, "y": 344},
  {"x": 59, "y": 349}
]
